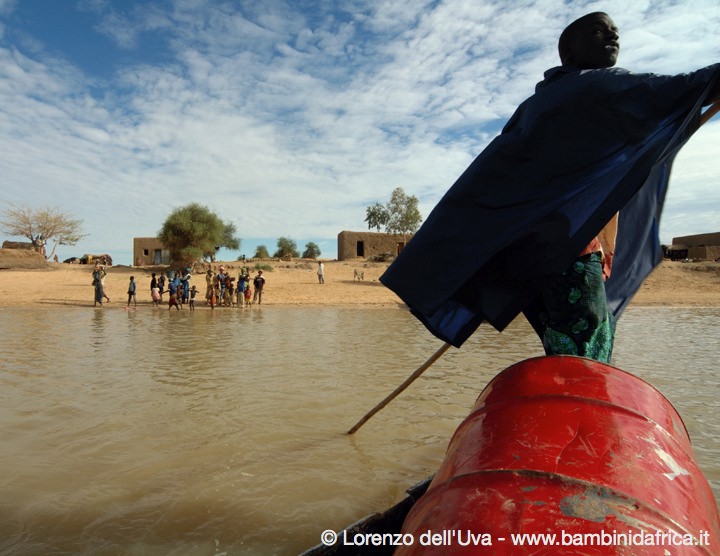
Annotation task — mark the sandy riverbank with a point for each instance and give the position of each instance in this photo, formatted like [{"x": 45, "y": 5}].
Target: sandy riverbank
[{"x": 295, "y": 283}]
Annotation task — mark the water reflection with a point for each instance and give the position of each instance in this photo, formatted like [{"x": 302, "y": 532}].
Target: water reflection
[{"x": 158, "y": 432}]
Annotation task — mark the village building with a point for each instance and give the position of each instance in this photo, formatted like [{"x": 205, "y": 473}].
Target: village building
[
  {"x": 149, "y": 251},
  {"x": 698, "y": 247},
  {"x": 27, "y": 245},
  {"x": 366, "y": 245}
]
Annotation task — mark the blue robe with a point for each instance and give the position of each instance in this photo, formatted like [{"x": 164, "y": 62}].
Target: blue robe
[{"x": 587, "y": 144}]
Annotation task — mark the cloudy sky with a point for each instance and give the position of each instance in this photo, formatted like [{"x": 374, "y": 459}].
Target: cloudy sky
[{"x": 288, "y": 118}]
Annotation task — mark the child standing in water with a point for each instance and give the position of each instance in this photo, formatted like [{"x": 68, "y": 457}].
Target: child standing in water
[
  {"x": 193, "y": 291},
  {"x": 212, "y": 299},
  {"x": 131, "y": 292}
]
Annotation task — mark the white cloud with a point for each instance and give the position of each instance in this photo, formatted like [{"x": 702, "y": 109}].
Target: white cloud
[{"x": 693, "y": 201}]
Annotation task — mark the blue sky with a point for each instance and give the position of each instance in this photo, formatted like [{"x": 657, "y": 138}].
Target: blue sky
[{"x": 290, "y": 118}]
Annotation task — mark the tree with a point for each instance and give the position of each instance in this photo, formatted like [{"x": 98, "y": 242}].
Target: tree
[
  {"x": 261, "y": 252},
  {"x": 404, "y": 214},
  {"x": 399, "y": 216},
  {"x": 376, "y": 216},
  {"x": 229, "y": 239},
  {"x": 286, "y": 247},
  {"x": 41, "y": 226},
  {"x": 193, "y": 232},
  {"x": 312, "y": 251}
]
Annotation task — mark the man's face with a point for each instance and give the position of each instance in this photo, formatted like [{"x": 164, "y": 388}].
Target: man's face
[{"x": 595, "y": 43}]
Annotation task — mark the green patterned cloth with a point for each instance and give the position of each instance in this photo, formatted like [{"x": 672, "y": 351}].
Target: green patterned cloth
[{"x": 575, "y": 315}]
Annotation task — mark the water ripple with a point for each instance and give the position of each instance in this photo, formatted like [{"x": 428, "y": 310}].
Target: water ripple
[{"x": 156, "y": 432}]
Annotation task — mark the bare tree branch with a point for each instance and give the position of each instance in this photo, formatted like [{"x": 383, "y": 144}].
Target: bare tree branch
[{"x": 41, "y": 226}]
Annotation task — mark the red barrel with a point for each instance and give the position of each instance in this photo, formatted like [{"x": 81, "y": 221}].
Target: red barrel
[{"x": 565, "y": 455}]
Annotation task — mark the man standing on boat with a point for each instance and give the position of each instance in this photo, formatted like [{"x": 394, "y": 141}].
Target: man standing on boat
[{"x": 521, "y": 229}]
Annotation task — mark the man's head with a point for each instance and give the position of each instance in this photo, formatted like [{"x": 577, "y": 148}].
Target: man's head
[{"x": 590, "y": 42}]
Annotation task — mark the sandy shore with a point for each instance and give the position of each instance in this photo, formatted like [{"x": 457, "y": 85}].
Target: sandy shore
[{"x": 295, "y": 283}]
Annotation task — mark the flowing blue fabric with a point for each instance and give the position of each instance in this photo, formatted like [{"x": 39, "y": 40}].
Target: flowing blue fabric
[{"x": 587, "y": 144}]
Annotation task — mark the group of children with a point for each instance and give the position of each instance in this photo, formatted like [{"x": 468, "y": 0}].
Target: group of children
[
  {"x": 221, "y": 289},
  {"x": 179, "y": 290}
]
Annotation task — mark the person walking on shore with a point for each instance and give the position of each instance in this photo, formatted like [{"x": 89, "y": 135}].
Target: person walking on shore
[
  {"x": 98, "y": 285},
  {"x": 101, "y": 274},
  {"x": 321, "y": 272}
]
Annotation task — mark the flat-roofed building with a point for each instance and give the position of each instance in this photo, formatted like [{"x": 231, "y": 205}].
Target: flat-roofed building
[
  {"x": 699, "y": 246},
  {"x": 149, "y": 251},
  {"x": 366, "y": 245}
]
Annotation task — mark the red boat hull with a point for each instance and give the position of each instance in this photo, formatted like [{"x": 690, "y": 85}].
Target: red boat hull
[{"x": 591, "y": 457}]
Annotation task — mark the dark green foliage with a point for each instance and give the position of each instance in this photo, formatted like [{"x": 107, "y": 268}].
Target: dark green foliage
[
  {"x": 194, "y": 232},
  {"x": 286, "y": 247},
  {"x": 376, "y": 216},
  {"x": 261, "y": 252},
  {"x": 312, "y": 251}
]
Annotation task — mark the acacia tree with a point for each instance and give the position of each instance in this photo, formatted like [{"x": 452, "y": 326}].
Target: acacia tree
[
  {"x": 312, "y": 251},
  {"x": 286, "y": 247},
  {"x": 193, "y": 232},
  {"x": 261, "y": 252},
  {"x": 41, "y": 226},
  {"x": 399, "y": 216}
]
